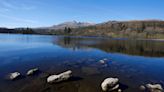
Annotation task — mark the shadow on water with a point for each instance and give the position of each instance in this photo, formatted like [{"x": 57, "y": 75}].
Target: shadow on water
[
  {"x": 123, "y": 86},
  {"x": 18, "y": 78},
  {"x": 75, "y": 78},
  {"x": 37, "y": 73}
]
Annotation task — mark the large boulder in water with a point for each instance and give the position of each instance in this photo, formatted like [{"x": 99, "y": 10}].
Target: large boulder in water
[
  {"x": 110, "y": 84},
  {"x": 60, "y": 77}
]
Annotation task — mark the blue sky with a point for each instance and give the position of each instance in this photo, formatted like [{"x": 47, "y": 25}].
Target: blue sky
[{"x": 37, "y": 13}]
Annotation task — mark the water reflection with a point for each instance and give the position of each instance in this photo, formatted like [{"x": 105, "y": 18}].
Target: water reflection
[
  {"x": 131, "y": 47},
  {"x": 52, "y": 55}
]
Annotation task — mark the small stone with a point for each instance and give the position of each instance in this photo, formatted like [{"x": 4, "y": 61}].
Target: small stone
[
  {"x": 110, "y": 84},
  {"x": 60, "y": 77},
  {"x": 32, "y": 71},
  {"x": 14, "y": 75},
  {"x": 105, "y": 59},
  {"x": 142, "y": 88},
  {"x": 102, "y": 61}
]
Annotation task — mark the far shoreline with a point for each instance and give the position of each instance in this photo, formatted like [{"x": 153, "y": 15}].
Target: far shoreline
[{"x": 78, "y": 36}]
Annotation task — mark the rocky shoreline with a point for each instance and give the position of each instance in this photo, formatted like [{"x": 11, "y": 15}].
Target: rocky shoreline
[{"x": 109, "y": 84}]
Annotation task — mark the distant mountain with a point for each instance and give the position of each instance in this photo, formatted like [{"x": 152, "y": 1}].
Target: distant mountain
[
  {"x": 70, "y": 24},
  {"x": 62, "y": 26}
]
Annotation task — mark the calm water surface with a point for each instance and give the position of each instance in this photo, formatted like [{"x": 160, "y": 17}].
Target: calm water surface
[{"x": 134, "y": 62}]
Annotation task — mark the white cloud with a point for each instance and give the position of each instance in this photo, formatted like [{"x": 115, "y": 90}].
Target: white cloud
[{"x": 9, "y": 7}]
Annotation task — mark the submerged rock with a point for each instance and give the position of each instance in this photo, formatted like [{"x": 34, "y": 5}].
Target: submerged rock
[
  {"x": 110, "y": 84},
  {"x": 154, "y": 87},
  {"x": 102, "y": 61},
  {"x": 105, "y": 59},
  {"x": 14, "y": 75},
  {"x": 60, "y": 77},
  {"x": 90, "y": 70},
  {"x": 119, "y": 90},
  {"x": 32, "y": 71}
]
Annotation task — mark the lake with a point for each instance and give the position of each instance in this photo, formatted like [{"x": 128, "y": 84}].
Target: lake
[{"x": 134, "y": 62}]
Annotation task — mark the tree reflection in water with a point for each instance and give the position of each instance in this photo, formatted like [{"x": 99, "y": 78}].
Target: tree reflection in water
[{"x": 127, "y": 46}]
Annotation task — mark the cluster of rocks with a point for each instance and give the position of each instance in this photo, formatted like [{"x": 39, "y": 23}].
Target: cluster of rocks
[
  {"x": 15, "y": 75},
  {"x": 103, "y": 61},
  {"x": 112, "y": 84},
  {"x": 51, "y": 79},
  {"x": 108, "y": 85}
]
